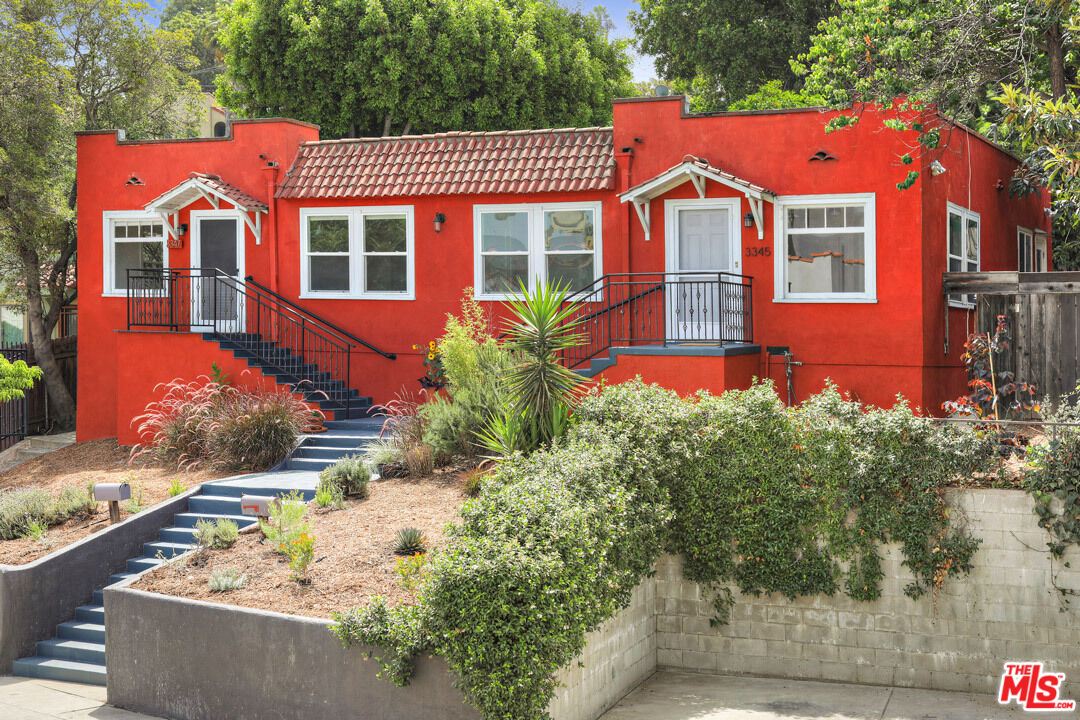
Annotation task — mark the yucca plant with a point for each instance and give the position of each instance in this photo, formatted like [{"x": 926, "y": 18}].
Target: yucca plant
[{"x": 410, "y": 541}]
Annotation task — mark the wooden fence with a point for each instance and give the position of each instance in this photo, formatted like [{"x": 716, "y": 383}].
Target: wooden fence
[
  {"x": 40, "y": 417},
  {"x": 1044, "y": 316}
]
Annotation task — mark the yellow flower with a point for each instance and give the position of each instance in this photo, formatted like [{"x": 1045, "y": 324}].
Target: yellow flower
[
  {"x": 431, "y": 356},
  {"x": 431, "y": 344}
]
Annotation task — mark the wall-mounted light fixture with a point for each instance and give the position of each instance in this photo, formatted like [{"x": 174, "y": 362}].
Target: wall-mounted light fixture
[
  {"x": 439, "y": 220},
  {"x": 181, "y": 229},
  {"x": 748, "y": 220}
]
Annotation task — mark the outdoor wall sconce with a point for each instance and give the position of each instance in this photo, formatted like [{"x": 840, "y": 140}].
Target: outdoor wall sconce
[
  {"x": 112, "y": 493},
  {"x": 181, "y": 229},
  {"x": 439, "y": 220},
  {"x": 748, "y": 220}
]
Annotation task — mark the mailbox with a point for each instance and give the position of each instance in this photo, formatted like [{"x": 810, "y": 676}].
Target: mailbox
[
  {"x": 257, "y": 505},
  {"x": 112, "y": 492}
]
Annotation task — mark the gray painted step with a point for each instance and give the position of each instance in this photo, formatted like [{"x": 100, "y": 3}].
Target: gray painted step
[
  {"x": 57, "y": 669},
  {"x": 142, "y": 564},
  {"x": 168, "y": 550},
  {"x": 294, "y": 463},
  {"x": 176, "y": 536},
  {"x": 214, "y": 505},
  {"x": 322, "y": 452},
  {"x": 99, "y": 597},
  {"x": 188, "y": 519},
  {"x": 87, "y": 632},
  {"x": 90, "y": 614},
  {"x": 76, "y": 650},
  {"x": 120, "y": 577}
]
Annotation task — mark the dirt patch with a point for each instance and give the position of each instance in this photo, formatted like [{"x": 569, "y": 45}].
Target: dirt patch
[
  {"x": 76, "y": 465},
  {"x": 354, "y": 557}
]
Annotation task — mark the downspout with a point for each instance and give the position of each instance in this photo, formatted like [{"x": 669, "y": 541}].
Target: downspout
[
  {"x": 270, "y": 230},
  {"x": 624, "y": 160}
]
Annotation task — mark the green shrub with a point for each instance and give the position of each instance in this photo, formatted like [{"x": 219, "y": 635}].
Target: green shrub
[
  {"x": 329, "y": 495},
  {"x": 219, "y": 534},
  {"x": 754, "y": 495},
  {"x": 176, "y": 487},
  {"x": 1053, "y": 475},
  {"x": 412, "y": 571},
  {"x": 379, "y": 452},
  {"x": 23, "y": 510},
  {"x": 350, "y": 474},
  {"x": 286, "y": 521},
  {"x": 472, "y": 363},
  {"x": 226, "y": 580},
  {"x": 410, "y": 541}
]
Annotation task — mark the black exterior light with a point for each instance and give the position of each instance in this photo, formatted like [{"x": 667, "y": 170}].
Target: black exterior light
[
  {"x": 748, "y": 220},
  {"x": 439, "y": 220}
]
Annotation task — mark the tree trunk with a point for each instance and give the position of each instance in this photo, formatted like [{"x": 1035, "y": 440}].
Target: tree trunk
[
  {"x": 41, "y": 327},
  {"x": 386, "y": 124},
  {"x": 1055, "y": 56}
]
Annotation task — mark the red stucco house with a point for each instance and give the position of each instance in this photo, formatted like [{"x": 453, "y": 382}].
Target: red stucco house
[{"x": 694, "y": 242}]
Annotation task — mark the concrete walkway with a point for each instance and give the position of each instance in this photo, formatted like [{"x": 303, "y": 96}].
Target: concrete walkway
[
  {"x": 33, "y": 699},
  {"x": 687, "y": 696}
]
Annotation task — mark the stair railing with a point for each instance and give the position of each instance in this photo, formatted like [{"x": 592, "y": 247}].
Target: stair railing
[
  {"x": 280, "y": 335},
  {"x": 693, "y": 308}
]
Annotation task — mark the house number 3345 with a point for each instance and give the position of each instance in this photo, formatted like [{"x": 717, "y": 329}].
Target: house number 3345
[{"x": 761, "y": 251}]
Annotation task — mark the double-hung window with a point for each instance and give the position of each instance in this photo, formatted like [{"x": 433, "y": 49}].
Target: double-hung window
[
  {"x": 963, "y": 247},
  {"x": 134, "y": 242},
  {"x": 360, "y": 252},
  {"x": 524, "y": 244},
  {"x": 1025, "y": 250},
  {"x": 825, "y": 248}
]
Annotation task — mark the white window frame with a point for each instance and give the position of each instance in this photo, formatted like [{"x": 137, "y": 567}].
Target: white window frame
[
  {"x": 537, "y": 268},
  {"x": 1023, "y": 234},
  {"x": 108, "y": 218},
  {"x": 356, "y": 254},
  {"x": 780, "y": 208},
  {"x": 961, "y": 301},
  {"x": 1041, "y": 245}
]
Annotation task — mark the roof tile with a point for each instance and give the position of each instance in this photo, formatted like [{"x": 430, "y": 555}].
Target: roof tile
[{"x": 520, "y": 161}]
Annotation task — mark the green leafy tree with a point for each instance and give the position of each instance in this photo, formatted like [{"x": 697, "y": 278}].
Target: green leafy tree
[
  {"x": 202, "y": 19},
  {"x": 772, "y": 95},
  {"x": 376, "y": 67},
  {"x": 68, "y": 65},
  {"x": 727, "y": 48}
]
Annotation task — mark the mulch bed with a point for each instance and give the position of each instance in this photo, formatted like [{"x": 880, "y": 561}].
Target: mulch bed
[
  {"x": 354, "y": 557},
  {"x": 96, "y": 461}
]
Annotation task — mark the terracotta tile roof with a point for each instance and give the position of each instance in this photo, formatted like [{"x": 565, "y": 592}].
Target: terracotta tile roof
[
  {"x": 704, "y": 165},
  {"x": 231, "y": 192},
  {"x": 520, "y": 161},
  {"x": 659, "y": 184}
]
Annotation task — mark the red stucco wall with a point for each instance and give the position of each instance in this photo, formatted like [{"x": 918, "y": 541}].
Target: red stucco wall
[{"x": 874, "y": 350}]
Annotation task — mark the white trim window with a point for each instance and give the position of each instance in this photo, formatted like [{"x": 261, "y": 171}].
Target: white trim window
[
  {"x": 1025, "y": 250},
  {"x": 132, "y": 241},
  {"x": 527, "y": 244},
  {"x": 825, "y": 248},
  {"x": 357, "y": 252},
  {"x": 962, "y": 247}
]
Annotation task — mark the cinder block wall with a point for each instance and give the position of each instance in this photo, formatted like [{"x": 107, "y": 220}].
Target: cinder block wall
[
  {"x": 1006, "y": 610},
  {"x": 618, "y": 656}
]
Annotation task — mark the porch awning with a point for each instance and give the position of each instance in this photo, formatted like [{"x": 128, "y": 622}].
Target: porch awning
[
  {"x": 214, "y": 190},
  {"x": 696, "y": 170}
]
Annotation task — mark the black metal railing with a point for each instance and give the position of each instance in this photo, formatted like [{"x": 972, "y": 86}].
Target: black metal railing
[
  {"x": 694, "y": 308},
  {"x": 14, "y": 414},
  {"x": 278, "y": 333}
]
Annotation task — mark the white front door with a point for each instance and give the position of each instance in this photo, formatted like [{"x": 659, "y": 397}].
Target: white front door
[
  {"x": 704, "y": 303},
  {"x": 217, "y": 243}
]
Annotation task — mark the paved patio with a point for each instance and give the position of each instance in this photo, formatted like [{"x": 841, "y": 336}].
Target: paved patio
[
  {"x": 33, "y": 699},
  {"x": 685, "y": 696}
]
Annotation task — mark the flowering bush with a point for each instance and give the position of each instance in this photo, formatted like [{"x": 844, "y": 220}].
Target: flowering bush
[
  {"x": 434, "y": 377},
  {"x": 300, "y": 551},
  {"x": 226, "y": 426}
]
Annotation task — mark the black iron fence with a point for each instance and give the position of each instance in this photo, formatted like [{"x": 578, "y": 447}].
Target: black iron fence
[
  {"x": 278, "y": 333},
  {"x": 14, "y": 414},
  {"x": 627, "y": 309}
]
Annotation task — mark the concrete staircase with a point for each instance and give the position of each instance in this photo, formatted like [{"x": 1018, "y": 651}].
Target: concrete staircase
[
  {"x": 33, "y": 447},
  {"x": 342, "y": 437},
  {"x": 77, "y": 653}
]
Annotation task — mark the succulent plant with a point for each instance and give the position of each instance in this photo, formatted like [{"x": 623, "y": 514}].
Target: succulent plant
[{"x": 410, "y": 541}]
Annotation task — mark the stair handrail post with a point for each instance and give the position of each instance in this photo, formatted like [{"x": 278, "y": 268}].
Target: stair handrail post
[
  {"x": 214, "y": 305},
  {"x": 348, "y": 384},
  {"x": 720, "y": 298}
]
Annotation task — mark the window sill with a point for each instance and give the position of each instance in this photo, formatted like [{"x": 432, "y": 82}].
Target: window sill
[
  {"x": 828, "y": 300},
  {"x": 353, "y": 296}
]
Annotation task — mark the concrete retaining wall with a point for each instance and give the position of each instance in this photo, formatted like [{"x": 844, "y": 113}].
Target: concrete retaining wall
[
  {"x": 1007, "y": 609},
  {"x": 618, "y": 656},
  {"x": 36, "y": 597},
  {"x": 196, "y": 660}
]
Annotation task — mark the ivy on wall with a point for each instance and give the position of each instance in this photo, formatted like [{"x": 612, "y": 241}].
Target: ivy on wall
[{"x": 752, "y": 494}]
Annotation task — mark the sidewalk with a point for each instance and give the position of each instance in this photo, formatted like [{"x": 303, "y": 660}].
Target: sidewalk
[
  {"x": 32, "y": 699},
  {"x": 671, "y": 695}
]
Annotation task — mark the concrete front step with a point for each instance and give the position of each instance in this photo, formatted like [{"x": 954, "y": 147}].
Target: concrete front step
[
  {"x": 76, "y": 630},
  {"x": 90, "y": 613},
  {"x": 214, "y": 505},
  {"x": 57, "y": 669},
  {"x": 325, "y": 452},
  {"x": 142, "y": 564},
  {"x": 176, "y": 536},
  {"x": 166, "y": 549},
  {"x": 77, "y": 650},
  {"x": 295, "y": 463},
  {"x": 189, "y": 519}
]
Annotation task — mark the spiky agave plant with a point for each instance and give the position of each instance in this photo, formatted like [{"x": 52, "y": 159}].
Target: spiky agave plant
[
  {"x": 542, "y": 389},
  {"x": 410, "y": 541}
]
